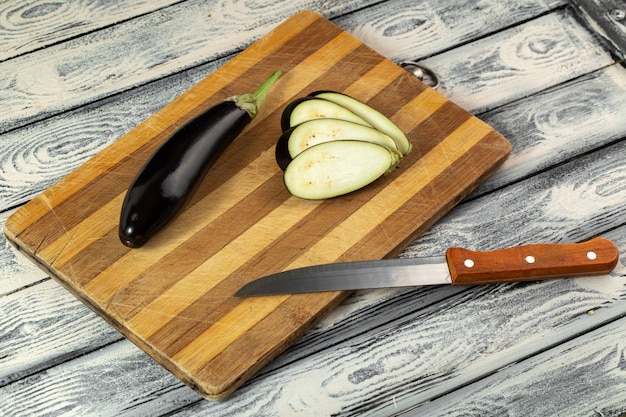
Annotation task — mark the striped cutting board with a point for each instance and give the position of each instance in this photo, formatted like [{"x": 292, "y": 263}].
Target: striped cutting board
[{"x": 173, "y": 297}]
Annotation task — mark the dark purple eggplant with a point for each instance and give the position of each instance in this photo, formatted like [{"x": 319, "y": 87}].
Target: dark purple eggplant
[{"x": 173, "y": 173}]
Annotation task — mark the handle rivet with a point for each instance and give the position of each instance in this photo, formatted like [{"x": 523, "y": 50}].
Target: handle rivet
[
  {"x": 468, "y": 263},
  {"x": 591, "y": 256},
  {"x": 530, "y": 259}
]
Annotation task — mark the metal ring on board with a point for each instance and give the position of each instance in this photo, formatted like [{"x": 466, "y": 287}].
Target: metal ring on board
[{"x": 425, "y": 74}]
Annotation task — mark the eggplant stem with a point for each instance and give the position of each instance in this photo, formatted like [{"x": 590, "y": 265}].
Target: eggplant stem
[{"x": 251, "y": 102}]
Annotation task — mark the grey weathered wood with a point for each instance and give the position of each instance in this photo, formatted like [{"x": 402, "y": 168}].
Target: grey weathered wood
[
  {"x": 16, "y": 271},
  {"x": 70, "y": 389},
  {"x": 606, "y": 18},
  {"x": 114, "y": 116},
  {"x": 81, "y": 70},
  {"x": 34, "y": 332},
  {"x": 34, "y": 157},
  {"x": 28, "y": 26},
  {"x": 560, "y": 123},
  {"x": 583, "y": 377},
  {"x": 529, "y": 58},
  {"x": 409, "y": 30}
]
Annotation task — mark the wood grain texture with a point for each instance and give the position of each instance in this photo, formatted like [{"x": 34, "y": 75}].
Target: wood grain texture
[
  {"x": 36, "y": 156},
  {"x": 408, "y": 30},
  {"x": 529, "y": 58},
  {"x": 425, "y": 343},
  {"x": 563, "y": 381},
  {"x": 51, "y": 310},
  {"x": 28, "y": 26},
  {"x": 16, "y": 272},
  {"x": 605, "y": 18},
  {"x": 243, "y": 217},
  {"x": 559, "y": 124}
]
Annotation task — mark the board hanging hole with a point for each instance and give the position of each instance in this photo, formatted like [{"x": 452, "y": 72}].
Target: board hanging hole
[{"x": 425, "y": 74}]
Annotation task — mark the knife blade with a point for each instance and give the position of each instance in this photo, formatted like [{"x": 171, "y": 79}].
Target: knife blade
[{"x": 459, "y": 266}]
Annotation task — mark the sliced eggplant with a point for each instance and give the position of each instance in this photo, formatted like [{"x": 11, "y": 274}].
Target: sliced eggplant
[
  {"x": 331, "y": 169},
  {"x": 375, "y": 118},
  {"x": 316, "y": 131},
  {"x": 308, "y": 108}
]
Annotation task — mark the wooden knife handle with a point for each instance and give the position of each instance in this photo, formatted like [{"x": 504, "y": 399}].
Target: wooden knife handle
[{"x": 597, "y": 256}]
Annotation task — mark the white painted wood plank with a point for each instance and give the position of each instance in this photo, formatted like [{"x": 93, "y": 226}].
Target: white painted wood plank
[
  {"x": 518, "y": 62},
  {"x": 555, "y": 125},
  {"x": 28, "y": 26},
  {"x": 15, "y": 270},
  {"x": 410, "y": 30},
  {"x": 96, "y": 65},
  {"x": 425, "y": 352},
  {"x": 104, "y": 383},
  {"x": 34, "y": 327},
  {"x": 583, "y": 377},
  {"x": 132, "y": 53}
]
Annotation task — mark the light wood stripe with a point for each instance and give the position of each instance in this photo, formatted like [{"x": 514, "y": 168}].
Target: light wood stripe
[
  {"x": 219, "y": 336},
  {"x": 418, "y": 110},
  {"x": 376, "y": 79}
]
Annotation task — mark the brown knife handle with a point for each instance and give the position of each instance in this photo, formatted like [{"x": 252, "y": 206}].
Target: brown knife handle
[{"x": 597, "y": 256}]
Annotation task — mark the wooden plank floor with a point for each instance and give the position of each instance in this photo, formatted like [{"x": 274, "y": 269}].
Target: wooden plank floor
[{"x": 75, "y": 76}]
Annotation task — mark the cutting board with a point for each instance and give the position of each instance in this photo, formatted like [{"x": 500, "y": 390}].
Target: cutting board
[{"x": 173, "y": 297}]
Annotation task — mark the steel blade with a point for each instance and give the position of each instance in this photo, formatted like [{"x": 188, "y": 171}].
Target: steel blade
[{"x": 401, "y": 272}]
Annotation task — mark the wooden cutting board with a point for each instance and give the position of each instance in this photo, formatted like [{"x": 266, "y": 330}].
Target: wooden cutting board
[{"x": 173, "y": 297}]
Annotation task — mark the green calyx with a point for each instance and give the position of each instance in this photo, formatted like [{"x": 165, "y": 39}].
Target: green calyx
[{"x": 251, "y": 102}]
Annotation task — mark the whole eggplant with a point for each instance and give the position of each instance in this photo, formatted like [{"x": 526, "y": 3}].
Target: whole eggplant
[{"x": 172, "y": 174}]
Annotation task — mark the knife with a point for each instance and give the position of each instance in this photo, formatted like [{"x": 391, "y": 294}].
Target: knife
[{"x": 459, "y": 266}]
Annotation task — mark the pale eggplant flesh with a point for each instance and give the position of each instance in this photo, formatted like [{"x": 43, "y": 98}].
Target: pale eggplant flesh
[
  {"x": 316, "y": 131},
  {"x": 307, "y": 108},
  {"x": 372, "y": 116},
  {"x": 339, "y": 167}
]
